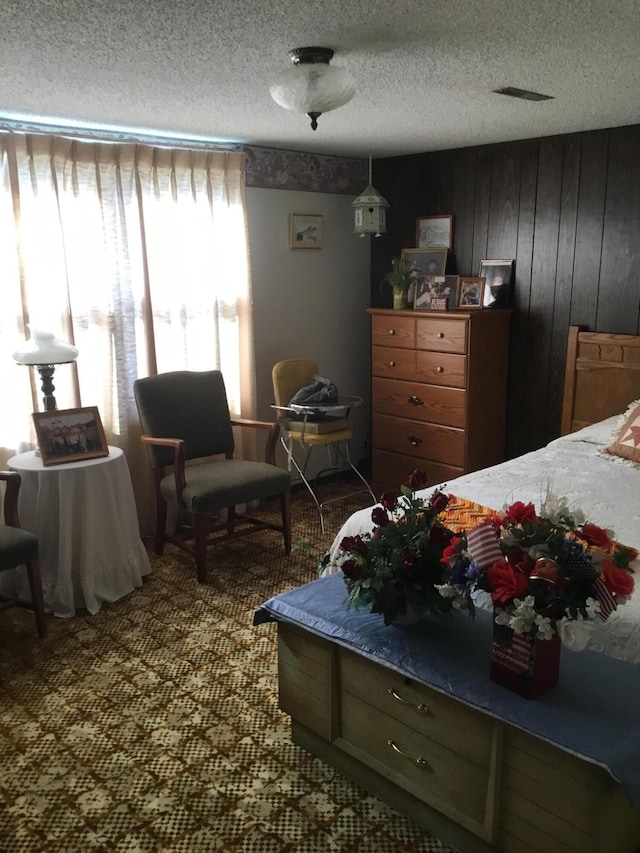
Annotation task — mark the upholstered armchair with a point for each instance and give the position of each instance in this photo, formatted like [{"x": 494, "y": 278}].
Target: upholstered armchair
[{"x": 187, "y": 428}]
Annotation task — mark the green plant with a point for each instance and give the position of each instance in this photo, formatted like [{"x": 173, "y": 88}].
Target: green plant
[{"x": 400, "y": 277}]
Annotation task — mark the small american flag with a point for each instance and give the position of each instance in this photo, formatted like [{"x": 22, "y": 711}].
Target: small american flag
[
  {"x": 516, "y": 655},
  {"x": 483, "y": 545},
  {"x": 607, "y": 601}
]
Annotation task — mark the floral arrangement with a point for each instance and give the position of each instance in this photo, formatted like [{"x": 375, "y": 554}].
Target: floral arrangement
[
  {"x": 398, "y": 567},
  {"x": 544, "y": 573}
]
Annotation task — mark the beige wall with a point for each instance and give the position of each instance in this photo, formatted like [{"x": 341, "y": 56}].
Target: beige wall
[{"x": 311, "y": 303}]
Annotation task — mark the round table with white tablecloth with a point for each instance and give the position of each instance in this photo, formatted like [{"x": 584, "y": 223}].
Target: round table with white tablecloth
[{"x": 85, "y": 518}]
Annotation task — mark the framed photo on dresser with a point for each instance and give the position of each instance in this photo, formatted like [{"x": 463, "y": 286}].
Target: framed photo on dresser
[
  {"x": 434, "y": 232},
  {"x": 499, "y": 276},
  {"x": 470, "y": 291}
]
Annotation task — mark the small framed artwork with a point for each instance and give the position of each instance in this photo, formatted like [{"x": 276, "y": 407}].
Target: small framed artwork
[
  {"x": 470, "y": 292},
  {"x": 305, "y": 231},
  {"x": 426, "y": 261},
  {"x": 498, "y": 275},
  {"x": 434, "y": 232},
  {"x": 436, "y": 293},
  {"x": 69, "y": 435}
]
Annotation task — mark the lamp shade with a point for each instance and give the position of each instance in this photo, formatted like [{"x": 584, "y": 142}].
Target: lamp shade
[
  {"x": 45, "y": 348},
  {"x": 311, "y": 85}
]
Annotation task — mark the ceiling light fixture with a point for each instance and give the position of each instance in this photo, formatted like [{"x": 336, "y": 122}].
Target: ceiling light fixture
[
  {"x": 312, "y": 86},
  {"x": 370, "y": 210}
]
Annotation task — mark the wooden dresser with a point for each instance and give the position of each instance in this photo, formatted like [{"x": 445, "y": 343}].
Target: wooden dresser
[{"x": 438, "y": 393}]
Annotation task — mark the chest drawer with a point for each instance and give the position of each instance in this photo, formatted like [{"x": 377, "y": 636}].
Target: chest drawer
[
  {"x": 441, "y": 334},
  {"x": 390, "y": 331},
  {"x": 433, "y": 773},
  {"x": 417, "y": 706},
  {"x": 416, "y": 438},
  {"x": 440, "y": 368},
  {"x": 419, "y": 402},
  {"x": 390, "y": 469},
  {"x": 392, "y": 362}
]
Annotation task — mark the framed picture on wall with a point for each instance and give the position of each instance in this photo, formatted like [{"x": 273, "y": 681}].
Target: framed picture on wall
[
  {"x": 434, "y": 232},
  {"x": 305, "y": 231},
  {"x": 498, "y": 275},
  {"x": 470, "y": 292},
  {"x": 70, "y": 435}
]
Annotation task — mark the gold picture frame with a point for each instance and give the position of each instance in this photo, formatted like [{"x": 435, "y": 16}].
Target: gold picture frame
[
  {"x": 306, "y": 231},
  {"x": 70, "y": 435},
  {"x": 434, "y": 232}
]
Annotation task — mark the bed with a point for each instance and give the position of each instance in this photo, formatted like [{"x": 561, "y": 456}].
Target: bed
[{"x": 561, "y": 773}]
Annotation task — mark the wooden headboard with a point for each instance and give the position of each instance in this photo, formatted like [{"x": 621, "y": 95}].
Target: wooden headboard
[{"x": 602, "y": 376}]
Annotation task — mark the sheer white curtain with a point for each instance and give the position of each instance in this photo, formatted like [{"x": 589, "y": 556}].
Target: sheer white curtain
[{"x": 136, "y": 255}]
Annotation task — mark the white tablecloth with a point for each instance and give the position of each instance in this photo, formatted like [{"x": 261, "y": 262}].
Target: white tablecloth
[{"x": 85, "y": 518}]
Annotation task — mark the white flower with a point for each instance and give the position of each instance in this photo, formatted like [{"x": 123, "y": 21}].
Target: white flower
[
  {"x": 545, "y": 627},
  {"x": 592, "y": 606},
  {"x": 446, "y": 590},
  {"x": 503, "y": 618},
  {"x": 575, "y": 633},
  {"x": 524, "y": 615}
]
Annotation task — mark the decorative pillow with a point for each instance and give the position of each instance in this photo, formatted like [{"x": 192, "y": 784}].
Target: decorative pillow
[{"x": 627, "y": 443}]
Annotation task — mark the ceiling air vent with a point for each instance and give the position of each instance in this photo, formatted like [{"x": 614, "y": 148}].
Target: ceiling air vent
[{"x": 522, "y": 93}]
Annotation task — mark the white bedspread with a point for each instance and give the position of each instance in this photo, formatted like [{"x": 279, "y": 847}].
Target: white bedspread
[{"x": 606, "y": 488}]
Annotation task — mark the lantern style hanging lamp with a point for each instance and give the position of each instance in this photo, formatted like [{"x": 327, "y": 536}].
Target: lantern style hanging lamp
[
  {"x": 312, "y": 86},
  {"x": 370, "y": 210}
]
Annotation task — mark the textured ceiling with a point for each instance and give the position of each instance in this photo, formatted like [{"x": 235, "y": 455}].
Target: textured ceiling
[{"x": 425, "y": 71}]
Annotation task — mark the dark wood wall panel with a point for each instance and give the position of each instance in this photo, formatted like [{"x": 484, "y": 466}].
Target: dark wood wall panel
[{"x": 567, "y": 208}]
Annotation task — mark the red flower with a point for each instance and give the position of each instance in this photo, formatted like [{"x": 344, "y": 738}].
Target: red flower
[
  {"x": 351, "y": 570},
  {"x": 617, "y": 581},
  {"x": 439, "y": 501},
  {"x": 409, "y": 560},
  {"x": 520, "y": 560},
  {"x": 505, "y": 582},
  {"x": 354, "y": 543},
  {"x": 440, "y": 536},
  {"x": 389, "y": 500},
  {"x": 520, "y": 512},
  {"x": 417, "y": 480},
  {"x": 594, "y": 535},
  {"x": 380, "y": 516}
]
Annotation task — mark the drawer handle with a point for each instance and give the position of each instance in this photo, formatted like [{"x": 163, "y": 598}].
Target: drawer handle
[
  {"x": 415, "y": 401},
  {"x": 420, "y": 761},
  {"x": 439, "y": 369},
  {"x": 414, "y": 441},
  {"x": 440, "y": 335},
  {"x": 392, "y": 364},
  {"x": 392, "y": 331},
  {"x": 420, "y": 707}
]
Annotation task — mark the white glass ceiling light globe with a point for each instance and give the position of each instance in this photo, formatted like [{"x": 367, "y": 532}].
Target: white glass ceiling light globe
[{"x": 312, "y": 86}]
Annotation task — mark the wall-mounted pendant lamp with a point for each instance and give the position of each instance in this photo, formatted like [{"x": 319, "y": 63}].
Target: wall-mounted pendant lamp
[
  {"x": 370, "y": 210},
  {"x": 312, "y": 86}
]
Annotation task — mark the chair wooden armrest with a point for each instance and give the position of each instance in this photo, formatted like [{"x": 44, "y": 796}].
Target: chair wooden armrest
[
  {"x": 13, "y": 480},
  {"x": 179, "y": 461},
  {"x": 272, "y": 438}
]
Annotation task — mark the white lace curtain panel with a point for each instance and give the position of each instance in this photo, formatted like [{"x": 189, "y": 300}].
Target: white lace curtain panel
[{"x": 138, "y": 256}]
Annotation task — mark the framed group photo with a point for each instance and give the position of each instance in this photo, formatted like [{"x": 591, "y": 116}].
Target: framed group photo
[
  {"x": 305, "y": 231},
  {"x": 436, "y": 293},
  {"x": 498, "y": 275},
  {"x": 426, "y": 261},
  {"x": 471, "y": 291},
  {"x": 434, "y": 232},
  {"x": 69, "y": 435}
]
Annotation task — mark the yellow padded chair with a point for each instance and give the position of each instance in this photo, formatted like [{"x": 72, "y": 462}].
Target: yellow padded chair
[{"x": 332, "y": 432}]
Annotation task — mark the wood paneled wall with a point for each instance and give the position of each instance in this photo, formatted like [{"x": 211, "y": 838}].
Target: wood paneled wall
[{"x": 567, "y": 208}]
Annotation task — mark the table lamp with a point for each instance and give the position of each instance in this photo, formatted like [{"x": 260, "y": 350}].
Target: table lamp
[{"x": 44, "y": 352}]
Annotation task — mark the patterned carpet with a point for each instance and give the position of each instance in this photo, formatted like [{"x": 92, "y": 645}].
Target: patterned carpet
[{"x": 154, "y": 726}]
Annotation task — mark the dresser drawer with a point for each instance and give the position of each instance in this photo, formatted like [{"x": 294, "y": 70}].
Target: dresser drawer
[
  {"x": 392, "y": 469},
  {"x": 444, "y": 720},
  {"x": 392, "y": 362},
  {"x": 390, "y": 331},
  {"x": 420, "y": 402},
  {"x": 441, "y": 368},
  {"x": 416, "y": 438},
  {"x": 441, "y": 334},
  {"x": 433, "y": 773}
]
